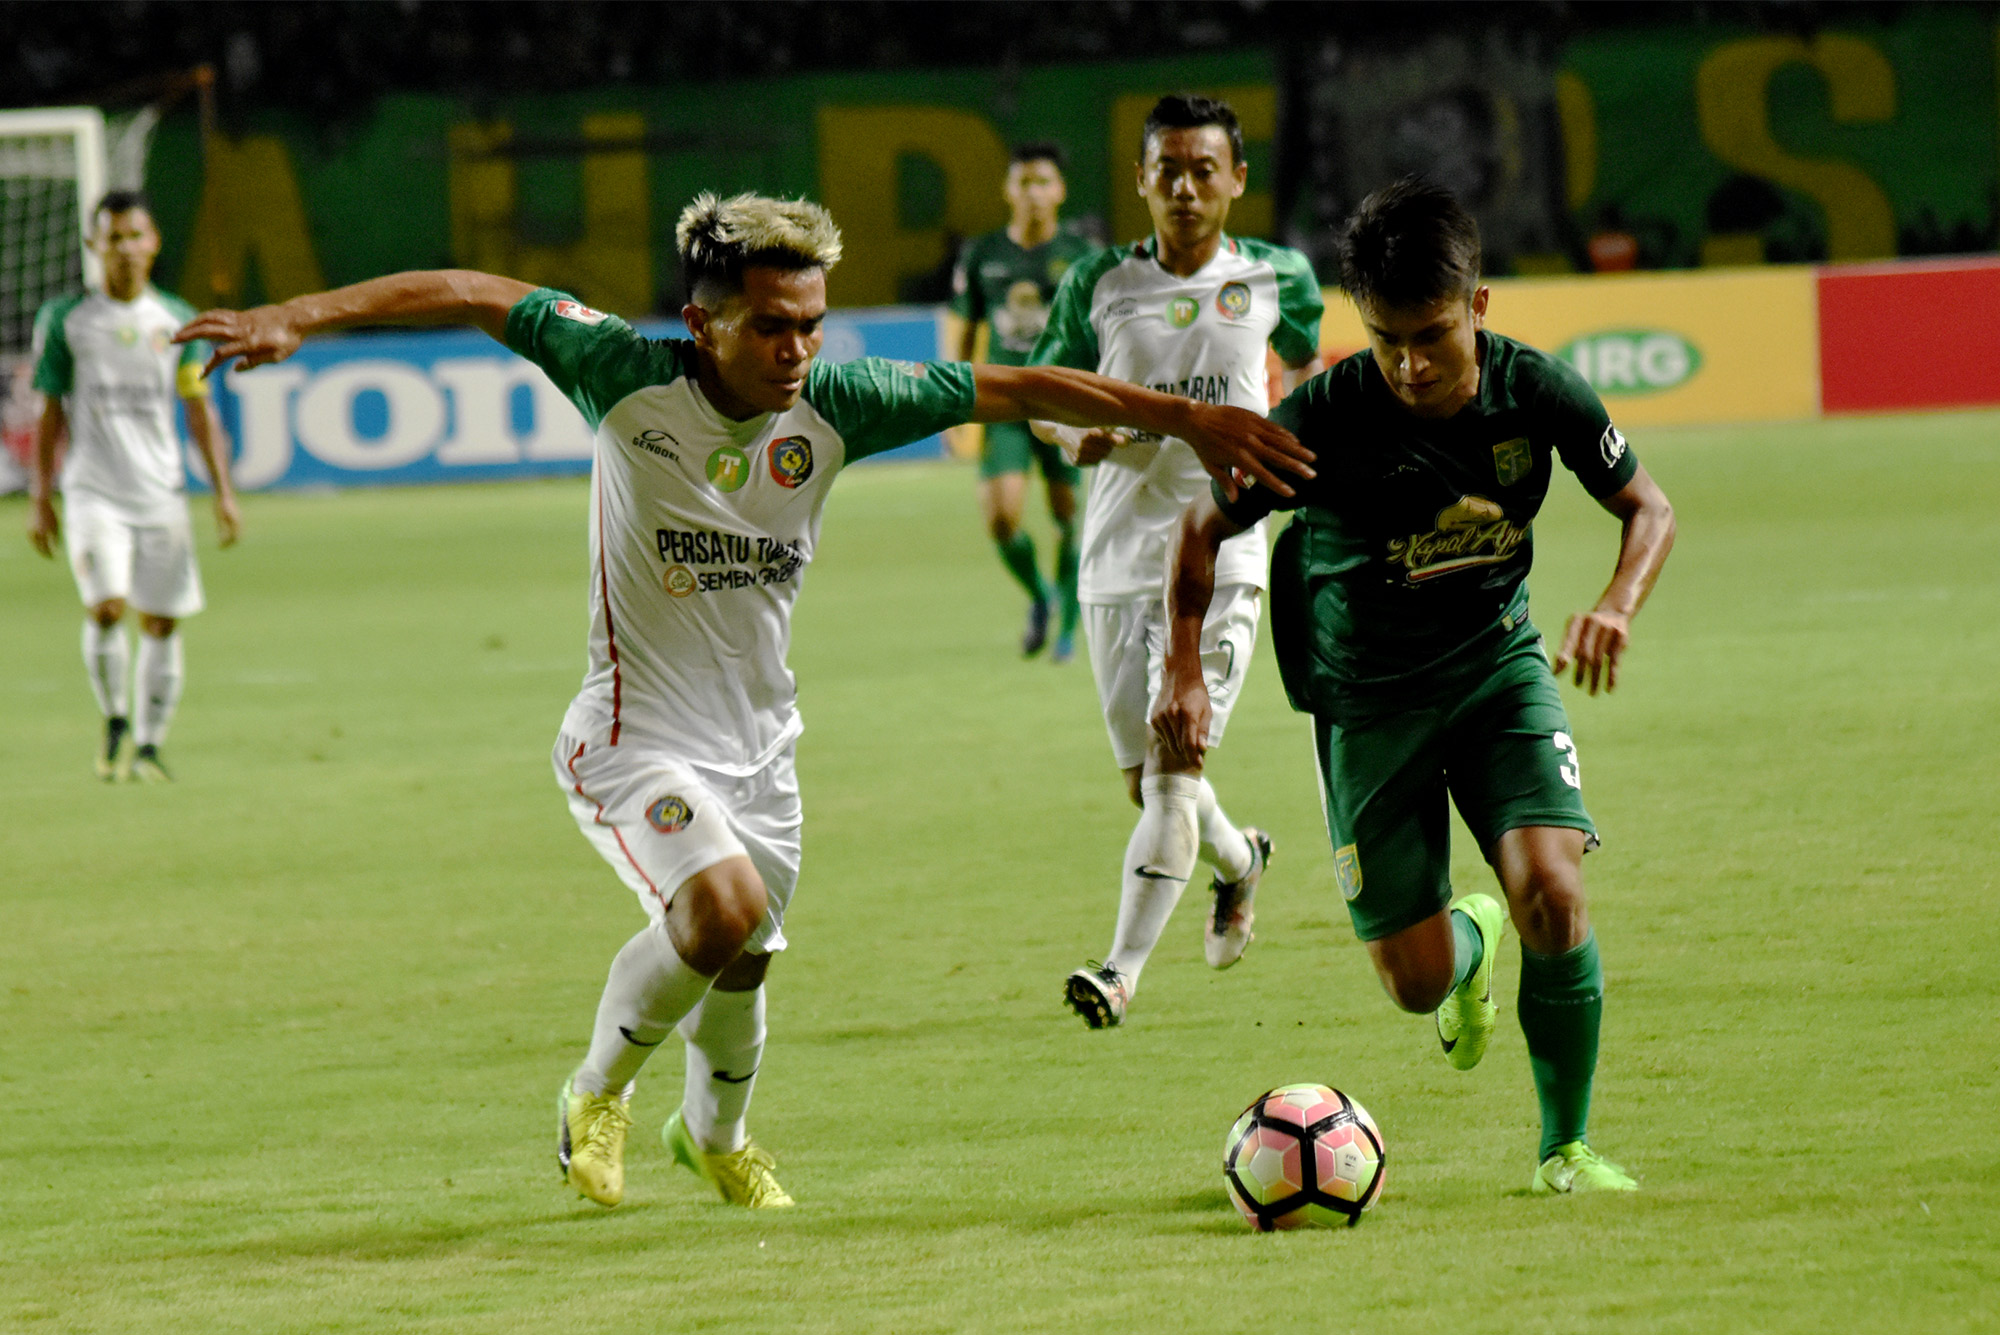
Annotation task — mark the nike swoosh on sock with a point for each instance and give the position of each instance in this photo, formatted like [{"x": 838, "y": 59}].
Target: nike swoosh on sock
[
  {"x": 729, "y": 1079},
  {"x": 639, "y": 1042},
  {"x": 1153, "y": 875}
]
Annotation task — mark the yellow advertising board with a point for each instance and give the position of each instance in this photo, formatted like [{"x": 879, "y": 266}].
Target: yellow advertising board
[{"x": 1676, "y": 349}]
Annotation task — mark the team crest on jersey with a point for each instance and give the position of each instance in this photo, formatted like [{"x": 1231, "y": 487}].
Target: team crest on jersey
[
  {"x": 129, "y": 337},
  {"x": 791, "y": 461},
  {"x": 679, "y": 581},
  {"x": 669, "y": 815},
  {"x": 728, "y": 468},
  {"x": 162, "y": 340},
  {"x": 1233, "y": 301},
  {"x": 577, "y": 311},
  {"x": 1611, "y": 445},
  {"x": 1513, "y": 460},
  {"x": 1181, "y": 311},
  {"x": 1347, "y": 871}
]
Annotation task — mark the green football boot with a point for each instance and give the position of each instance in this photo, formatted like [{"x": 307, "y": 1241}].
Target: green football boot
[
  {"x": 1465, "y": 1021},
  {"x": 741, "y": 1177},
  {"x": 1576, "y": 1167}
]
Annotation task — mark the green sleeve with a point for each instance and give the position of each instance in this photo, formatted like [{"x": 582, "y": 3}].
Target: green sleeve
[
  {"x": 877, "y": 405},
  {"x": 1575, "y": 418},
  {"x": 965, "y": 292},
  {"x": 55, "y": 364},
  {"x": 194, "y": 355},
  {"x": 1068, "y": 339},
  {"x": 594, "y": 358},
  {"x": 1300, "y": 307}
]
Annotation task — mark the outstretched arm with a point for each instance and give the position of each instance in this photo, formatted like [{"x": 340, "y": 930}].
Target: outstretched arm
[
  {"x": 432, "y": 296},
  {"x": 1181, "y": 714},
  {"x": 1231, "y": 443},
  {"x": 1595, "y": 640}
]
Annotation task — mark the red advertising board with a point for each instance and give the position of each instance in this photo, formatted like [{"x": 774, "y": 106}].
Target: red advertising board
[{"x": 1898, "y": 336}]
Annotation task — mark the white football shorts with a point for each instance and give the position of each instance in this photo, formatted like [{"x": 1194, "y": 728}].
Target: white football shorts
[
  {"x": 658, "y": 821},
  {"x": 1128, "y": 650},
  {"x": 150, "y": 567}
]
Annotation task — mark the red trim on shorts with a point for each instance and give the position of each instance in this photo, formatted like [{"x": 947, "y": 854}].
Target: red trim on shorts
[
  {"x": 623, "y": 847},
  {"x": 610, "y": 631}
]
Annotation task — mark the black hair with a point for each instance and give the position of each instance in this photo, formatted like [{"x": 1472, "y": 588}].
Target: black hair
[
  {"x": 1046, "y": 150},
  {"x": 1191, "y": 111},
  {"x": 121, "y": 201},
  {"x": 1410, "y": 245}
]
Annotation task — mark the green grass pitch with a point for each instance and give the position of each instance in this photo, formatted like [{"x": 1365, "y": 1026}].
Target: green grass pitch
[{"x": 282, "y": 1040}]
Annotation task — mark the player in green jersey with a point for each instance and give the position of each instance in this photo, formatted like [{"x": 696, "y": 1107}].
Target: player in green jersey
[
  {"x": 1400, "y": 618},
  {"x": 1004, "y": 281}
]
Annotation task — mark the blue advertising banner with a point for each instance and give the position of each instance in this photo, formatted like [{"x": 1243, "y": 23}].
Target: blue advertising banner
[{"x": 431, "y": 406}]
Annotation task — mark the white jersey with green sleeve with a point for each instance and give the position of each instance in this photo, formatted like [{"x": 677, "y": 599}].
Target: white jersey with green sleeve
[
  {"x": 1121, "y": 314},
  {"x": 701, "y": 527},
  {"x": 116, "y": 368}
]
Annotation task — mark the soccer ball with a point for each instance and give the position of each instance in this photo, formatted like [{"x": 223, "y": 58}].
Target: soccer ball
[{"x": 1303, "y": 1156}]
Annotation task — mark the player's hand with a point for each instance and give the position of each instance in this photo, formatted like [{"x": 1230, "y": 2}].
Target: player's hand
[
  {"x": 1093, "y": 445},
  {"x": 1594, "y": 642},
  {"x": 228, "y": 521},
  {"x": 259, "y": 337},
  {"x": 44, "y": 527},
  {"x": 1181, "y": 715},
  {"x": 1236, "y": 445}
]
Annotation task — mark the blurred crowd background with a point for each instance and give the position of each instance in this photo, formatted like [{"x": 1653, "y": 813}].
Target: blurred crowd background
[{"x": 558, "y": 141}]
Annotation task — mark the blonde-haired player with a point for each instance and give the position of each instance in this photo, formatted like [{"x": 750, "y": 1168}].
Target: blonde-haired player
[
  {"x": 110, "y": 372},
  {"x": 713, "y": 459}
]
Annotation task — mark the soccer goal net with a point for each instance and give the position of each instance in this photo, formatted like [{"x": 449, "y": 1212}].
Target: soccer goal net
[{"x": 53, "y": 166}]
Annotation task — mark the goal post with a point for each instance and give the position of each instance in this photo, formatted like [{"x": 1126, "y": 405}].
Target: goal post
[{"x": 53, "y": 169}]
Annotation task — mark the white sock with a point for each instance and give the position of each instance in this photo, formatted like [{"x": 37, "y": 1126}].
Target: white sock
[
  {"x": 649, "y": 990},
  {"x": 1223, "y": 846},
  {"x": 725, "y": 1043},
  {"x": 1163, "y": 846},
  {"x": 160, "y": 673},
  {"x": 107, "y": 657}
]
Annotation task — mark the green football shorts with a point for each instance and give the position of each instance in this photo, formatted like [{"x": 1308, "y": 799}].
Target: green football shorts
[
  {"x": 1494, "y": 738},
  {"x": 1010, "y": 448}
]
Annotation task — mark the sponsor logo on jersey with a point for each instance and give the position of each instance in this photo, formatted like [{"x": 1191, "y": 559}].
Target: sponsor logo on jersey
[
  {"x": 1021, "y": 320},
  {"x": 654, "y": 441},
  {"x": 1122, "y": 306},
  {"x": 1201, "y": 388},
  {"x": 679, "y": 581},
  {"x": 1233, "y": 301},
  {"x": 577, "y": 311},
  {"x": 1471, "y": 531},
  {"x": 1633, "y": 361},
  {"x": 915, "y": 370},
  {"x": 1611, "y": 445},
  {"x": 1347, "y": 871},
  {"x": 728, "y": 468},
  {"x": 669, "y": 815},
  {"x": 704, "y": 560},
  {"x": 791, "y": 461},
  {"x": 1181, "y": 312},
  {"x": 1513, "y": 460}
]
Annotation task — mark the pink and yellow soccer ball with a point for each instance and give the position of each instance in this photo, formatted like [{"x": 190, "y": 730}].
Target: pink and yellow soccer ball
[{"x": 1303, "y": 1156}]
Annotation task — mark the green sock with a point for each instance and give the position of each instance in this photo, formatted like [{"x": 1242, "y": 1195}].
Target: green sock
[
  {"x": 1068, "y": 556},
  {"x": 1468, "y": 948},
  {"x": 1561, "y": 1005},
  {"x": 1018, "y": 555}
]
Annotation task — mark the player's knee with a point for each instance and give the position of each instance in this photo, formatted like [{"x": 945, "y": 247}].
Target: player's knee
[
  {"x": 1549, "y": 909},
  {"x": 1003, "y": 527},
  {"x": 1415, "y": 991},
  {"x": 717, "y": 910},
  {"x": 109, "y": 612},
  {"x": 157, "y": 627}
]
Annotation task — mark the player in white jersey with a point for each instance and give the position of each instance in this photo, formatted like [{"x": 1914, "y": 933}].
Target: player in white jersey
[
  {"x": 108, "y": 368},
  {"x": 1190, "y": 311},
  {"x": 712, "y": 462}
]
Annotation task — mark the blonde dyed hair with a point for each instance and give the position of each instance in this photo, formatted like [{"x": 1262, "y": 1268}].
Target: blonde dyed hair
[{"x": 718, "y": 237}]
